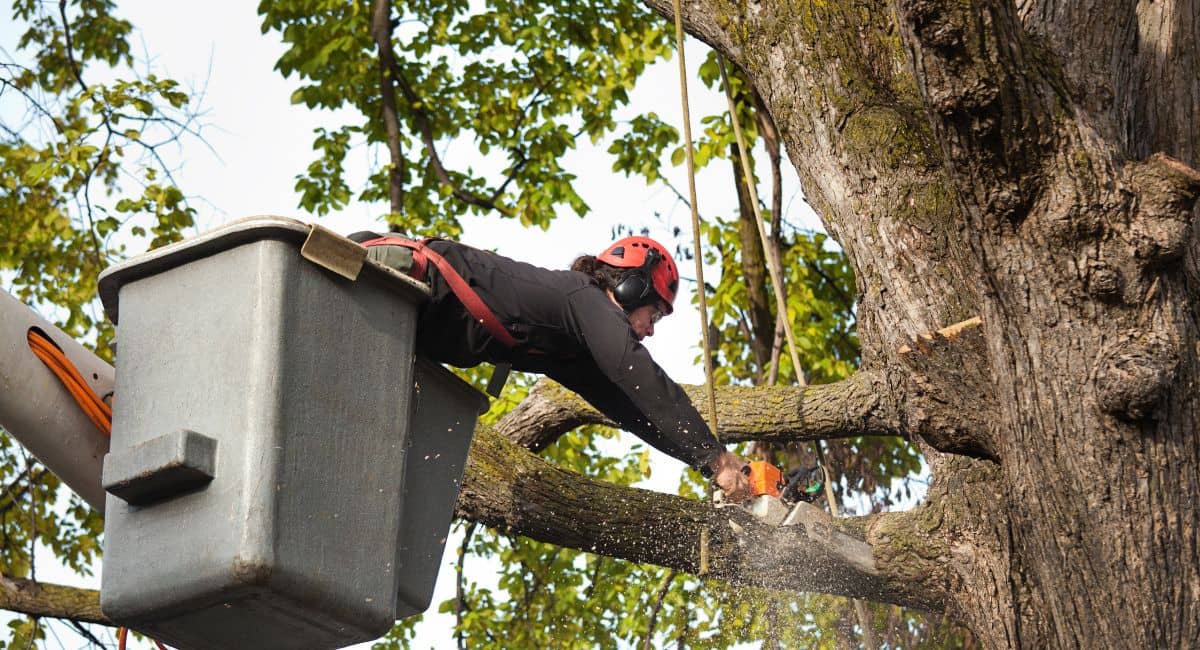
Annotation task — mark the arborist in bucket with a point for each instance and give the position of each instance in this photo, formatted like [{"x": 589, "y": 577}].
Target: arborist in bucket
[{"x": 582, "y": 328}]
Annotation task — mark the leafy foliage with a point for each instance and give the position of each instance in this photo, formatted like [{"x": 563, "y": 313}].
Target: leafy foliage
[
  {"x": 513, "y": 83},
  {"x": 68, "y": 146}
]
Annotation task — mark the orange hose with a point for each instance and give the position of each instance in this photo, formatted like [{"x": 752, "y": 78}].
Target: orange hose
[
  {"x": 97, "y": 411},
  {"x": 92, "y": 405}
]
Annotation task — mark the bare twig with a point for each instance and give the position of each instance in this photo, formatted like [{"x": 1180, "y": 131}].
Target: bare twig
[
  {"x": 460, "y": 603},
  {"x": 106, "y": 117},
  {"x": 33, "y": 528},
  {"x": 33, "y": 634},
  {"x": 776, "y": 350},
  {"x": 771, "y": 639},
  {"x": 70, "y": 50},
  {"x": 595, "y": 575},
  {"x": 684, "y": 627},
  {"x": 770, "y": 136},
  {"x": 512, "y": 175},
  {"x": 522, "y": 159},
  {"x": 97, "y": 251},
  {"x": 658, "y": 601},
  {"x": 87, "y": 178},
  {"x": 846, "y": 300},
  {"x": 86, "y": 633},
  {"x": 16, "y": 490},
  {"x": 538, "y": 577},
  {"x": 35, "y": 104}
]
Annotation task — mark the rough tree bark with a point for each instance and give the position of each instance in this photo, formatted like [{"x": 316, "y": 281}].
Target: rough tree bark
[{"x": 1006, "y": 159}]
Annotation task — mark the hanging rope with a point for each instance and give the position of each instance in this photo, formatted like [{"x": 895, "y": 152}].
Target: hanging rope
[
  {"x": 773, "y": 267},
  {"x": 769, "y": 251},
  {"x": 691, "y": 169}
]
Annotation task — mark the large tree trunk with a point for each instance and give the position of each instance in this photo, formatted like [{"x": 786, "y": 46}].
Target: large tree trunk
[{"x": 998, "y": 159}]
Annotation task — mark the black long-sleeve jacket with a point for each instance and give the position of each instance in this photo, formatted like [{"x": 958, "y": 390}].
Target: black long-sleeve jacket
[{"x": 569, "y": 330}]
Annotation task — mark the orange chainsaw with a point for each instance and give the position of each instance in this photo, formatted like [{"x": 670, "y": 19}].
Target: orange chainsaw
[
  {"x": 777, "y": 498},
  {"x": 799, "y": 484}
]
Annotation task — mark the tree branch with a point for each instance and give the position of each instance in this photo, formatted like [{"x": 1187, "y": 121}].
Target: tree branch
[
  {"x": 658, "y": 601},
  {"x": 381, "y": 29},
  {"x": 518, "y": 493},
  {"x": 942, "y": 392},
  {"x": 706, "y": 25},
  {"x": 754, "y": 267},
  {"x": 21, "y": 483},
  {"x": 892, "y": 557},
  {"x": 770, "y": 136},
  {"x": 87, "y": 634},
  {"x": 87, "y": 179},
  {"x": 421, "y": 121},
  {"x": 108, "y": 117},
  {"x": 35, "y": 105},
  {"x": 936, "y": 392},
  {"x": 519, "y": 155},
  {"x": 850, "y": 408},
  {"x": 886, "y": 557},
  {"x": 70, "y": 48},
  {"x": 50, "y": 600},
  {"x": 846, "y": 300}
]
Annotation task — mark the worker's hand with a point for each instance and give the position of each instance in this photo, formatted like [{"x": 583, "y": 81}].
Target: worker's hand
[{"x": 731, "y": 474}]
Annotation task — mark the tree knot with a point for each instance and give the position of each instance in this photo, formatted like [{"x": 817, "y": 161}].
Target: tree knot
[
  {"x": 1132, "y": 375},
  {"x": 1167, "y": 190},
  {"x": 1103, "y": 281}
]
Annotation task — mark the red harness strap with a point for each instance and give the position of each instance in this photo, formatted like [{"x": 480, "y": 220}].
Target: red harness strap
[{"x": 422, "y": 255}]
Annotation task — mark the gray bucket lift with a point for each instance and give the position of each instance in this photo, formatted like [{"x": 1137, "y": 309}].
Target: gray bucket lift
[{"x": 283, "y": 471}]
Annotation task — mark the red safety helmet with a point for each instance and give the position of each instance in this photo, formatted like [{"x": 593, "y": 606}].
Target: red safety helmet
[{"x": 650, "y": 258}]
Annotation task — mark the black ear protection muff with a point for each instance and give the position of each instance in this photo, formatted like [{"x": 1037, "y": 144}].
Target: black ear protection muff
[{"x": 636, "y": 284}]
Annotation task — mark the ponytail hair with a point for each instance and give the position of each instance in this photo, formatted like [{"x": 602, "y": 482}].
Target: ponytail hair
[{"x": 602, "y": 275}]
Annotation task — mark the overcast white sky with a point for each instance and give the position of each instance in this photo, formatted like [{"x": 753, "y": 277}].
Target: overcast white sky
[{"x": 260, "y": 142}]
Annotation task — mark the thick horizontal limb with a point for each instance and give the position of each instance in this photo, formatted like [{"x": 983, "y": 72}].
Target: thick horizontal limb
[
  {"x": 511, "y": 489},
  {"x": 51, "y": 601},
  {"x": 850, "y": 408}
]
